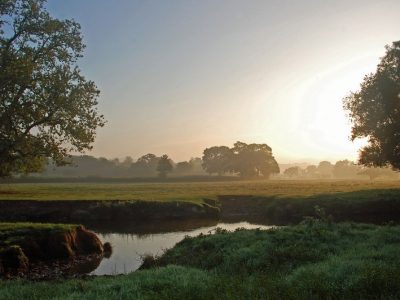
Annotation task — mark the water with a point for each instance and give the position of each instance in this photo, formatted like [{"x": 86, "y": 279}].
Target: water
[{"x": 129, "y": 248}]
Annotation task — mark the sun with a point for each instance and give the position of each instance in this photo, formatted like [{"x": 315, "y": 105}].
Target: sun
[{"x": 328, "y": 126}]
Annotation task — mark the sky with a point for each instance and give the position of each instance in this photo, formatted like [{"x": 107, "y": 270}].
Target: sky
[{"x": 177, "y": 77}]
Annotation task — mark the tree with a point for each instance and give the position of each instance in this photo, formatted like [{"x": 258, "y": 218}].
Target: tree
[
  {"x": 324, "y": 169},
  {"x": 47, "y": 107},
  {"x": 164, "y": 166},
  {"x": 374, "y": 111},
  {"x": 146, "y": 165},
  {"x": 345, "y": 169},
  {"x": 311, "y": 171},
  {"x": 253, "y": 160},
  {"x": 292, "y": 172},
  {"x": 183, "y": 167},
  {"x": 217, "y": 159},
  {"x": 373, "y": 173}
]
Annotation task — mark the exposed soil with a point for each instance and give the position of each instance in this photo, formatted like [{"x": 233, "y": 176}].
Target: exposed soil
[{"x": 52, "y": 255}]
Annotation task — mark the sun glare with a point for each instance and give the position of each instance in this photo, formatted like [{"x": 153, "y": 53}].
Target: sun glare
[{"x": 326, "y": 126}]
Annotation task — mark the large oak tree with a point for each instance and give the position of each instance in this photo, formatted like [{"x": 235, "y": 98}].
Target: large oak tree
[
  {"x": 374, "y": 111},
  {"x": 47, "y": 107}
]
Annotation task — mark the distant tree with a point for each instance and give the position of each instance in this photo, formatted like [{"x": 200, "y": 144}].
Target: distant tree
[
  {"x": 116, "y": 161},
  {"x": 374, "y": 111},
  {"x": 183, "y": 167},
  {"x": 292, "y": 172},
  {"x": 164, "y": 166},
  {"x": 127, "y": 162},
  {"x": 345, "y": 169},
  {"x": 374, "y": 172},
  {"x": 311, "y": 171},
  {"x": 145, "y": 166},
  {"x": 197, "y": 167},
  {"x": 47, "y": 107},
  {"x": 252, "y": 160},
  {"x": 325, "y": 169},
  {"x": 217, "y": 159}
]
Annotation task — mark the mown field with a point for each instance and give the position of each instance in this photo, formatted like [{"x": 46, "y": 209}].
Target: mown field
[{"x": 188, "y": 191}]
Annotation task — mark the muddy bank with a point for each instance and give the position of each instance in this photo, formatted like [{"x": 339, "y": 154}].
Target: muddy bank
[
  {"x": 341, "y": 207},
  {"x": 35, "y": 251},
  {"x": 369, "y": 206},
  {"x": 89, "y": 211}
]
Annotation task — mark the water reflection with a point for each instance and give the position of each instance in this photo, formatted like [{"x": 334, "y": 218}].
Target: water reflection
[{"x": 128, "y": 248}]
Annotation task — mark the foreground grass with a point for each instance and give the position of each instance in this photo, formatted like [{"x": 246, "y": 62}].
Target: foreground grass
[
  {"x": 186, "y": 191},
  {"x": 314, "y": 260},
  {"x": 13, "y": 233}
]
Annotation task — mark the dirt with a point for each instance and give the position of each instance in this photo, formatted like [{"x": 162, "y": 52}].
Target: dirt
[{"x": 52, "y": 255}]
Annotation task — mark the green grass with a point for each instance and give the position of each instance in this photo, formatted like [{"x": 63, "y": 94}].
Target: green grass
[
  {"x": 186, "y": 191},
  {"x": 313, "y": 260},
  {"x": 13, "y": 233}
]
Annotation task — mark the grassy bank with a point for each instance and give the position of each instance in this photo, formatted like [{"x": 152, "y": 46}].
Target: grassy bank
[
  {"x": 315, "y": 260},
  {"x": 22, "y": 244}
]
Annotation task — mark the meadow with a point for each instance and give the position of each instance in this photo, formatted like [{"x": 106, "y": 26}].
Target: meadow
[{"x": 188, "y": 191}]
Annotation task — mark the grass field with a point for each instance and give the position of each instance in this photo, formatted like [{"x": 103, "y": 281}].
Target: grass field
[
  {"x": 314, "y": 260},
  {"x": 187, "y": 191}
]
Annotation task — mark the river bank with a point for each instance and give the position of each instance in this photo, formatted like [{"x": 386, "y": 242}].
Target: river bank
[
  {"x": 376, "y": 206},
  {"x": 34, "y": 250},
  {"x": 313, "y": 260}
]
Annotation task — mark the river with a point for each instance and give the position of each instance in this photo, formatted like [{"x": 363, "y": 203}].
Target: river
[{"x": 130, "y": 244}]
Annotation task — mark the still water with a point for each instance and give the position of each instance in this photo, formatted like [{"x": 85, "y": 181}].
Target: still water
[{"x": 129, "y": 247}]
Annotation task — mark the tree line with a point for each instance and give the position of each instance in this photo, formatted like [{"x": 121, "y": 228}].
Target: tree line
[
  {"x": 244, "y": 160},
  {"x": 342, "y": 169}
]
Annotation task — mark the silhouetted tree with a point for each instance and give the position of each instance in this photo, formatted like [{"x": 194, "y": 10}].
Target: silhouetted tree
[
  {"x": 47, "y": 108},
  {"x": 127, "y": 162},
  {"x": 292, "y": 172},
  {"x": 374, "y": 111},
  {"x": 183, "y": 167},
  {"x": 164, "y": 166},
  {"x": 146, "y": 165},
  {"x": 252, "y": 160},
  {"x": 217, "y": 159}
]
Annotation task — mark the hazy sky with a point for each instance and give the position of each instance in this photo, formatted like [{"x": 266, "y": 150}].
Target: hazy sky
[{"x": 179, "y": 76}]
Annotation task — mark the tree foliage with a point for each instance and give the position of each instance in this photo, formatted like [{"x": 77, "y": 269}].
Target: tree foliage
[
  {"x": 252, "y": 160},
  {"x": 164, "y": 166},
  {"x": 345, "y": 169},
  {"x": 247, "y": 160},
  {"x": 47, "y": 107},
  {"x": 292, "y": 172},
  {"x": 374, "y": 111},
  {"x": 217, "y": 159}
]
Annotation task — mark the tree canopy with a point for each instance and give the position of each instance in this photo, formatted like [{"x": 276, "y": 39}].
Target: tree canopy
[
  {"x": 47, "y": 107},
  {"x": 164, "y": 166},
  {"x": 247, "y": 160},
  {"x": 217, "y": 159},
  {"x": 374, "y": 111}
]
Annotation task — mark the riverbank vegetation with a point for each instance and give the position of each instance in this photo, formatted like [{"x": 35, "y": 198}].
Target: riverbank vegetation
[
  {"x": 22, "y": 244},
  {"x": 316, "y": 259}
]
